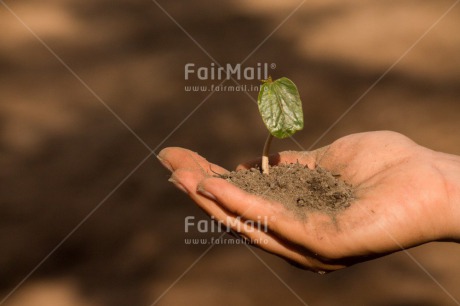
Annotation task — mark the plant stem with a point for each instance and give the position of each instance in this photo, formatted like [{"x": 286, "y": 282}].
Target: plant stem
[{"x": 265, "y": 154}]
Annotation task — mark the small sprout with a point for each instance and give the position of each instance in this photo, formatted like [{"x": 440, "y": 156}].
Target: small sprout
[{"x": 281, "y": 110}]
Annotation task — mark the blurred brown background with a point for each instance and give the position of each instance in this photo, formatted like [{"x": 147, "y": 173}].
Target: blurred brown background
[{"x": 63, "y": 152}]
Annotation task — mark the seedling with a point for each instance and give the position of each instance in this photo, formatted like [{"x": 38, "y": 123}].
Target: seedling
[{"x": 281, "y": 110}]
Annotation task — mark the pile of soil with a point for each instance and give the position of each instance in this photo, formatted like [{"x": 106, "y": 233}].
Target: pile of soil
[{"x": 297, "y": 187}]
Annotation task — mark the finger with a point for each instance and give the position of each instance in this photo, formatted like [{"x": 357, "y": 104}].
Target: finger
[
  {"x": 174, "y": 158},
  {"x": 238, "y": 201},
  {"x": 249, "y": 206},
  {"x": 188, "y": 180},
  {"x": 257, "y": 234},
  {"x": 307, "y": 158},
  {"x": 281, "y": 222}
]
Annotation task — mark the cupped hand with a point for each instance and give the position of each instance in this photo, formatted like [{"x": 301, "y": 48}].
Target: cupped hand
[{"x": 400, "y": 201}]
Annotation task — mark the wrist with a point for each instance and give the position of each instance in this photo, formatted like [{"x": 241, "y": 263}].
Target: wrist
[{"x": 449, "y": 167}]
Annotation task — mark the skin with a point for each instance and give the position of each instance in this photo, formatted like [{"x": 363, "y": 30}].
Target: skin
[{"x": 406, "y": 195}]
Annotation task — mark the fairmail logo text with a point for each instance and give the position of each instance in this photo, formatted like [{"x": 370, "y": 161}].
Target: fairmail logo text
[{"x": 228, "y": 72}]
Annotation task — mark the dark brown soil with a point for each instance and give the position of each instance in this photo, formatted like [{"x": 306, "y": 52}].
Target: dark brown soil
[{"x": 297, "y": 187}]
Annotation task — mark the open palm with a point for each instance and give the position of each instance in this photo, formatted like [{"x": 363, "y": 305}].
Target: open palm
[{"x": 400, "y": 198}]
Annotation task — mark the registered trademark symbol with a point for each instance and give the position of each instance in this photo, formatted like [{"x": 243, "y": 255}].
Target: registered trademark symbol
[{"x": 273, "y": 66}]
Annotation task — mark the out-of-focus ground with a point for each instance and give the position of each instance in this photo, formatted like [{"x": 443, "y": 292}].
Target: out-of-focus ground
[{"x": 63, "y": 152}]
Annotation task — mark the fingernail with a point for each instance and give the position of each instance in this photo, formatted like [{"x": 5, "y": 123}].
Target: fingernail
[
  {"x": 206, "y": 193},
  {"x": 178, "y": 185},
  {"x": 165, "y": 163}
]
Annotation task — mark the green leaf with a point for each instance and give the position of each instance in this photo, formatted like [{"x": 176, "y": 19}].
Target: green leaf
[{"x": 280, "y": 107}]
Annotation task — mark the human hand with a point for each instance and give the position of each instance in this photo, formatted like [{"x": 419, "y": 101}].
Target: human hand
[{"x": 402, "y": 199}]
